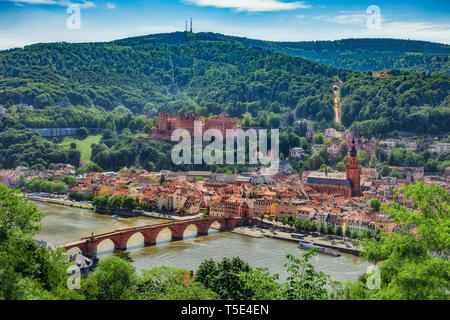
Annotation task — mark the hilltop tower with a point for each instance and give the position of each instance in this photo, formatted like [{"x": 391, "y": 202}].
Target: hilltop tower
[
  {"x": 191, "y": 25},
  {"x": 353, "y": 171}
]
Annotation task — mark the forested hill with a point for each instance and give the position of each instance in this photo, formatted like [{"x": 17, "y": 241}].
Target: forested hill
[
  {"x": 208, "y": 74},
  {"x": 369, "y": 54}
]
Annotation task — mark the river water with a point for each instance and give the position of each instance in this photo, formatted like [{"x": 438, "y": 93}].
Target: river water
[{"x": 66, "y": 224}]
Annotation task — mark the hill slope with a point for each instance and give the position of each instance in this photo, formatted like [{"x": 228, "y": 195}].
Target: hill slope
[
  {"x": 369, "y": 54},
  {"x": 208, "y": 74}
]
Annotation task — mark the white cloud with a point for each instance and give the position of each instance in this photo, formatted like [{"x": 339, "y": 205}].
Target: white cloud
[
  {"x": 348, "y": 18},
  {"x": 417, "y": 30},
  {"x": 251, "y": 5},
  {"x": 13, "y": 43},
  {"x": 110, "y": 5},
  {"x": 64, "y": 3}
]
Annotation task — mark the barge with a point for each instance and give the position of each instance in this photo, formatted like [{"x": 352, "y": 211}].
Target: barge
[{"x": 321, "y": 250}]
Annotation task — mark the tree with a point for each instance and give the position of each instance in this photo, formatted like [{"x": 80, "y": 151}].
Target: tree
[
  {"x": 93, "y": 167},
  {"x": 115, "y": 278},
  {"x": 363, "y": 158},
  {"x": 28, "y": 272},
  {"x": 73, "y": 145},
  {"x": 223, "y": 277},
  {"x": 318, "y": 138},
  {"x": 330, "y": 230},
  {"x": 82, "y": 132},
  {"x": 192, "y": 291},
  {"x": 316, "y": 161},
  {"x": 262, "y": 284},
  {"x": 347, "y": 232},
  {"x": 339, "y": 231},
  {"x": 341, "y": 166},
  {"x": 322, "y": 228},
  {"x": 343, "y": 148},
  {"x": 304, "y": 282},
  {"x": 413, "y": 264},
  {"x": 373, "y": 161},
  {"x": 385, "y": 171},
  {"x": 375, "y": 204}
]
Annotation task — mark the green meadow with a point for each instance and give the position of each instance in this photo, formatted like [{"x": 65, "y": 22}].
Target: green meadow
[{"x": 83, "y": 145}]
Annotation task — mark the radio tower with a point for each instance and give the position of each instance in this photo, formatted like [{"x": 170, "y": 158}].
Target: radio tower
[
  {"x": 186, "y": 29},
  {"x": 191, "y": 25}
]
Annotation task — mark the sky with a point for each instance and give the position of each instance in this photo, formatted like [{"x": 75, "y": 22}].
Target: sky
[{"x": 24, "y": 22}]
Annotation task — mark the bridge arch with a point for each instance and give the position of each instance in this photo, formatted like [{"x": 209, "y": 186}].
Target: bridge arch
[
  {"x": 206, "y": 225},
  {"x": 163, "y": 235},
  {"x": 135, "y": 240},
  {"x": 103, "y": 247},
  {"x": 191, "y": 231}
]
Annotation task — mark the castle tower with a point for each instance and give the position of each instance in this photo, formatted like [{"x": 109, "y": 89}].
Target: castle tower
[
  {"x": 163, "y": 120},
  {"x": 353, "y": 171}
]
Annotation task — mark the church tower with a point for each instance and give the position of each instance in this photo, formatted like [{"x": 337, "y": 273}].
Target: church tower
[{"x": 353, "y": 171}]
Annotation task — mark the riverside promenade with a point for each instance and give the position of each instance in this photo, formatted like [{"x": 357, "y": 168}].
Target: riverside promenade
[
  {"x": 61, "y": 202},
  {"x": 277, "y": 230},
  {"x": 339, "y": 247}
]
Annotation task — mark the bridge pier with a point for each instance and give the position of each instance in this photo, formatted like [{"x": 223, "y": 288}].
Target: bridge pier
[
  {"x": 89, "y": 248},
  {"x": 120, "y": 242},
  {"x": 177, "y": 232},
  {"x": 202, "y": 229}
]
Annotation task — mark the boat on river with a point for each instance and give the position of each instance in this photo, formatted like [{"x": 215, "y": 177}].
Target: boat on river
[{"x": 321, "y": 250}]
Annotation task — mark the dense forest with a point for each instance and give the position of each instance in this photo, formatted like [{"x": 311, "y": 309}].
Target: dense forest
[
  {"x": 208, "y": 74},
  {"x": 369, "y": 54}
]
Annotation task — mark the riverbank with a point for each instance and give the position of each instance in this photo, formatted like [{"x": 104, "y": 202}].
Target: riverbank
[
  {"x": 279, "y": 231},
  {"x": 61, "y": 202},
  {"x": 245, "y": 231},
  {"x": 311, "y": 240},
  {"x": 88, "y": 206}
]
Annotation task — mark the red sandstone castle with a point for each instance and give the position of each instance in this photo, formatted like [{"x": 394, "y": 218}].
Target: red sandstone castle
[{"x": 166, "y": 124}]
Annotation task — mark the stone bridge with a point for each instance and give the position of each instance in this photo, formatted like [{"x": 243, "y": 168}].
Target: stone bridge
[{"x": 88, "y": 245}]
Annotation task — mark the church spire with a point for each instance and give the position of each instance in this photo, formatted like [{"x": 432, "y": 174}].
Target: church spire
[{"x": 353, "y": 152}]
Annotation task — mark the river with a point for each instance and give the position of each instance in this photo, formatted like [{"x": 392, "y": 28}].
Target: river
[{"x": 66, "y": 224}]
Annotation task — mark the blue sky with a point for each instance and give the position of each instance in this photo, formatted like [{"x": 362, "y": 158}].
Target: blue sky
[{"x": 24, "y": 22}]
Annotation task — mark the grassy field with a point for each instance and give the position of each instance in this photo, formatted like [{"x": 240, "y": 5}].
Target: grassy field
[{"x": 83, "y": 145}]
